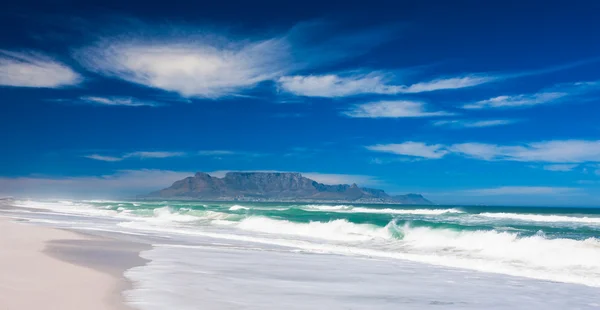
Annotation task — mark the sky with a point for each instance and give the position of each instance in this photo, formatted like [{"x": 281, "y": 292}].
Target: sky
[{"x": 468, "y": 102}]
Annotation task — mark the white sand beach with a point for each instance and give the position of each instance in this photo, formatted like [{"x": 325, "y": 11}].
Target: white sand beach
[{"x": 45, "y": 268}]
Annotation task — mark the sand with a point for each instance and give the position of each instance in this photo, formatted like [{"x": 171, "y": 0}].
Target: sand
[{"x": 45, "y": 268}]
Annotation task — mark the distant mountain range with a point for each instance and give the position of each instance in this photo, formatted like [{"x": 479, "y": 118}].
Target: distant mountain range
[{"x": 274, "y": 186}]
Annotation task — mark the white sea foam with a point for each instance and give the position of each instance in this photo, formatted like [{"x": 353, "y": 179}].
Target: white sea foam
[
  {"x": 351, "y": 209},
  {"x": 166, "y": 214},
  {"x": 70, "y": 207},
  {"x": 238, "y": 207},
  {"x": 535, "y": 251},
  {"x": 337, "y": 230},
  {"x": 183, "y": 277},
  {"x": 561, "y": 260},
  {"x": 542, "y": 218}
]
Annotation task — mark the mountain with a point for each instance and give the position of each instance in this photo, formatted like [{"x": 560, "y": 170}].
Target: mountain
[{"x": 274, "y": 186}]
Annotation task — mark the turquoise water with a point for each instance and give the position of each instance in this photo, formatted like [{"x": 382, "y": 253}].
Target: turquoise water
[
  {"x": 554, "y": 222},
  {"x": 556, "y": 244}
]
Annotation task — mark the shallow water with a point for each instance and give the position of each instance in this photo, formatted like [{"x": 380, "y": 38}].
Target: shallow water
[{"x": 299, "y": 256}]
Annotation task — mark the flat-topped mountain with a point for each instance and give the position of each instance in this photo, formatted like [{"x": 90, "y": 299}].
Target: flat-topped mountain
[{"x": 275, "y": 186}]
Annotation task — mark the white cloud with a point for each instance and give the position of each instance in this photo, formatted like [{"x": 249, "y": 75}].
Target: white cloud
[
  {"x": 392, "y": 109},
  {"x": 204, "y": 66},
  {"x": 123, "y": 182},
  {"x": 477, "y": 150},
  {"x": 522, "y": 190},
  {"x": 139, "y": 154},
  {"x": 560, "y": 167},
  {"x": 334, "y": 85},
  {"x": 103, "y": 158},
  {"x": 556, "y": 93},
  {"x": 517, "y": 100},
  {"x": 153, "y": 154},
  {"x": 119, "y": 101},
  {"x": 29, "y": 69},
  {"x": 448, "y": 83},
  {"x": 473, "y": 124},
  {"x": 215, "y": 152},
  {"x": 416, "y": 149},
  {"x": 207, "y": 64},
  {"x": 555, "y": 151}
]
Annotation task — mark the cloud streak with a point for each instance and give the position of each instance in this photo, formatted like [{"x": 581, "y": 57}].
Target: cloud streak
[
  {"x": 392, "y": 109},
  {"x": 473, "y": 123},
  {"x": 30, "y": 69},
  {"x": 557, "y": 93},
  {"x": 560, "y": 167},
  {"x": 554, "y": 151},
  {"x": 119, "y": 101},
  {"x": 139, "y": 155},
  {"x": 414, "y": 149},
  {"x": 336, "y": 85}
]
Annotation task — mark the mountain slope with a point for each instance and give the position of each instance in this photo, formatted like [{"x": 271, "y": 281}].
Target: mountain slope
[{"x": 275, "y": 186}]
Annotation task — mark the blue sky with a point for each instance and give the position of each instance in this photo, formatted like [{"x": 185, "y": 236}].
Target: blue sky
[{"x": 469, "y": 102}]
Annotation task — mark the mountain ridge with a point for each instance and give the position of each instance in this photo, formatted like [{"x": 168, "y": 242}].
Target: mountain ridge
[{"x": 274, "y": 186}]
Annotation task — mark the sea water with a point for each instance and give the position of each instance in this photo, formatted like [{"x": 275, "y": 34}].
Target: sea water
[{"x": 319, "y": 256}]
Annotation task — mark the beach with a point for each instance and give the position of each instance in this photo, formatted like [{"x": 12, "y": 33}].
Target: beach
[
  {"x": 46, "y": 268},
  {"x": 188, "y": 255}
]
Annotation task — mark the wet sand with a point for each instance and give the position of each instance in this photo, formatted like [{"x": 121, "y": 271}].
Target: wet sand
[{"x": 46, "y": 268}]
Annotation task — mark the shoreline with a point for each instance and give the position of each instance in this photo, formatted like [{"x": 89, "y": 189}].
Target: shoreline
[{"x": 63, "y": 269}]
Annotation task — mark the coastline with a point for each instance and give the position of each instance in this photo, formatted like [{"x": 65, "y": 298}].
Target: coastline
[{"x": 52, "y": 268}]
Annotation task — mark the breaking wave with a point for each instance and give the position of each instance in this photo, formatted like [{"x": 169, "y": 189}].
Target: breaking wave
[
  {"x": 351, "y": 209},
  {"x": 542, "y": 218}
]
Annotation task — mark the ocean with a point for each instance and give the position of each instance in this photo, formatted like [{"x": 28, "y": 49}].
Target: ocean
[{"x": 243, "y": 255}]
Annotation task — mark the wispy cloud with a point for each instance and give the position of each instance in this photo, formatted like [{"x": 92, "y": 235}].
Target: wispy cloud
[
  {"x": 215, "y": 152},
  {"x": 392, "y": 109},
  {"x": 156, "y": 155},
  {"x": 416, "y": 149},
  {"x": 554, "y": 151},
  {"x": 516, "y": 100},
  {"x": 360, "y": 82},
  {"x": 119, "y": 101},
  {"x": 103, "y": 158},
  {"x": 522, "y": 190},
  {"x": 560, "y": 167},
  {"x": 144, "y": 155},
  {"x": 472, "y": 123},
  {"x": 343, "y": 85},
  {"x": 449, "y": 83},
  {"x": 31, "y": 69},
  {"x": 332, "y": 85},
  {"x": 191, "y": 69},
  {"x": 219, "y": 154},
  {"x": 554, "y": 94},
  {"x": 139, "y": 154},
  {"x": 197, "y": 63}
]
